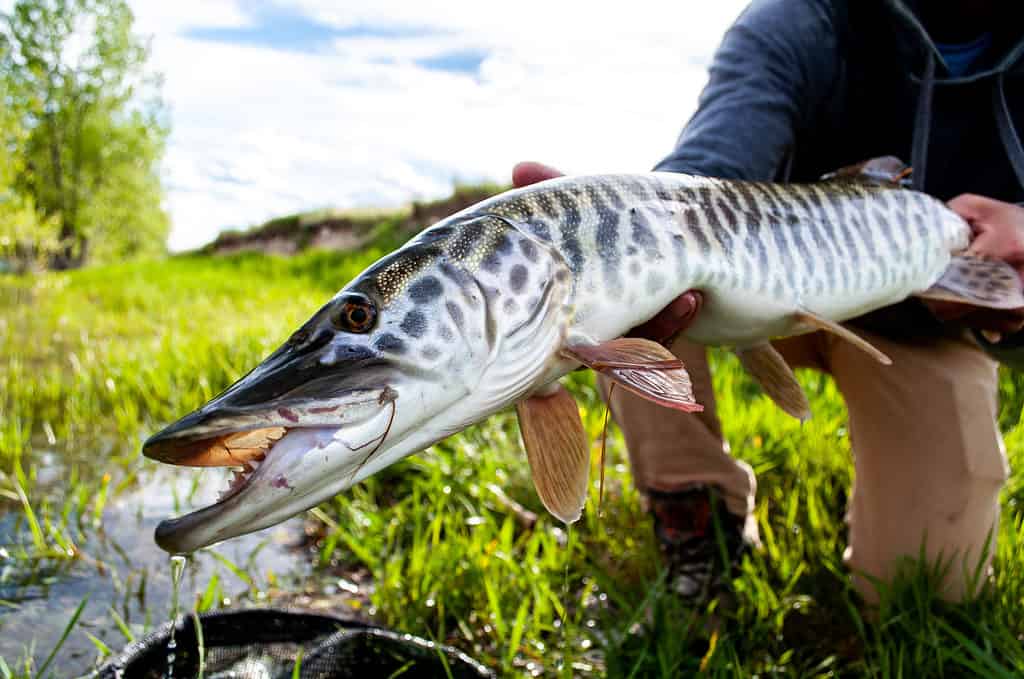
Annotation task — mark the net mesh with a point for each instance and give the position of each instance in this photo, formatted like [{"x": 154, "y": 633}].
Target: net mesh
[{"x": 267, "y": 643}]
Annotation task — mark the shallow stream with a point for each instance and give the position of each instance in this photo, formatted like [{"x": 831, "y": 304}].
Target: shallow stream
[{"x": 127, "y": 578}]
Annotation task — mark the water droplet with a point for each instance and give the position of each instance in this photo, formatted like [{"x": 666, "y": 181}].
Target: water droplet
[{"x": 178, "y": 563}]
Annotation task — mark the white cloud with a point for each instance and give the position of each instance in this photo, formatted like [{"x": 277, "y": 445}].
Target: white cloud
[{"x": 259, "y": 132}]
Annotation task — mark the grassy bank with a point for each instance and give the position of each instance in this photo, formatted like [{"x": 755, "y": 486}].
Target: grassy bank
[{"x": 92, "y": 361}]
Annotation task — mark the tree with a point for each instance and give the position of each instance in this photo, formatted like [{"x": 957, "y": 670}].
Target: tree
[
  {"x": 24, "y": 240},
  {"x": 95, "y": 126}
]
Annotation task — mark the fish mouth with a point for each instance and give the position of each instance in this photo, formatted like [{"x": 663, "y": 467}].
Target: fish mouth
[
  {"x": 278, "y": 468},
  {"x": 230, "y": 449}
]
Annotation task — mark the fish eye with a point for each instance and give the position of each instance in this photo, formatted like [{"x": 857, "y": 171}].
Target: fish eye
[{"x": 356, "y": 314}]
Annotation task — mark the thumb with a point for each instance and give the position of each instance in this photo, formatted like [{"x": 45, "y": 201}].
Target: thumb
[{"x": 524, "y": 174}]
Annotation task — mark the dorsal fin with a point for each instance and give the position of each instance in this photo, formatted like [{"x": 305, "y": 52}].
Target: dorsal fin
[{"x": 884, "y": 169}]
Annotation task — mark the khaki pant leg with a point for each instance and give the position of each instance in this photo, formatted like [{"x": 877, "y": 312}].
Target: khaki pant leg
[
  {"x": 928, "y": 456},
  {"x": 669, "y": 449}
]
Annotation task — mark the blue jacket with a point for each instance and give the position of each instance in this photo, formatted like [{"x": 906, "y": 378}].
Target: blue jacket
[{"x": 799, "y": 88}]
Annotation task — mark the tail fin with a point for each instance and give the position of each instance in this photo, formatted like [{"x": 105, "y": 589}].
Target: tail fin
[{"x": 979, "y": 282}]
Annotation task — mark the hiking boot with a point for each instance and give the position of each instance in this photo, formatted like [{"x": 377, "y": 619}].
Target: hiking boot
[{"x": 700, "y": 540}]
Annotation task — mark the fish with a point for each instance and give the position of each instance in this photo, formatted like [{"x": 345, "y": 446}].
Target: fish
[{"x": 489, "y": 308}]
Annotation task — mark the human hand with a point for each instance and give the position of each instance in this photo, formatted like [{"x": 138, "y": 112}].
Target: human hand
[
  {"x": 668, "y": 322},
  {"x": 998, "y": 234}
]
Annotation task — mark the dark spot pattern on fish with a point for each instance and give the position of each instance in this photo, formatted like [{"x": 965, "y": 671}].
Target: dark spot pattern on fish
[
  {"x": 679, "y": 248},
  {"x": 731, "y": 226},
  {"x": 446, "y": 333},
  {"x": 853, "y": 269},
  {"x": 857, "y": 223},
  {"x": 390, "y": 343},
  {"x": 288, "y": 414},
  {"x": 570, "y": 232},
  {"x": 492, "y": 263},
  {"x": 642, "y": 235},
  {"x": 922, "y": 234},
  {"x": 730, "y": 196},
  {"x": 430, "y": 352},
  {"x": 456, "y": 274},
  {"x": 510, "y": 306},
  {"x": 752, "y": 241},
  {"x": 503, "y": 244},
  {"x": 607, "y": 237},
  {"x": 779, "y": 222},
  {"x": 639, "y": 189},
  {"x": 528, "y": 249},
  {"x": 613, "y": 197},
  {"x": 456, "y": 313},
  {"x": 821, "y": 221},
  {"x": 414, "y": 324},
  {"x": 696, "y": 230},
  {"x": 540, "y": 229},
  {"x": 717, "y": 229},
  {"x": 517, "y": 278},
  {"x": 810, "y": 222},
  {"x": 634, "y": 268},
  {"x": 425, "y": 290},
  {"x": 906, "y": 228}
]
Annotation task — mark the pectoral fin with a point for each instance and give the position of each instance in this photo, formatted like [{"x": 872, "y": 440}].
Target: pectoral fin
[
  {"x": 556, "y": 446},
  {"x": 771, "y": 371},
  {"x": 980, "y": 282},
  {"x": 818, "y": 323},
  {"x": 645, "y": 368}
]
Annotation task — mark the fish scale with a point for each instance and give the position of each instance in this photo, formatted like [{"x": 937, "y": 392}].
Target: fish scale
[{"x": 641, "y": 240}]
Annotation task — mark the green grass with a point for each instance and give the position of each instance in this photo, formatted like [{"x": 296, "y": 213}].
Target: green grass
[{"x": 92, "y": 361}]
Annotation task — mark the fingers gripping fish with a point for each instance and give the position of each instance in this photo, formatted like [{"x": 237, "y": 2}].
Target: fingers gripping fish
[{"x": 490, "y": 307}]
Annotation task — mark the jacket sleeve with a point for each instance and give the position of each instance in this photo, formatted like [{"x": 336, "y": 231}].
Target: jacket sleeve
[{"x": 770, "y": 76}]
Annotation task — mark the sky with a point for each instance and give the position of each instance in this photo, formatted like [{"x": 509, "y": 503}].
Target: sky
[{"x": 279, "y": 107}]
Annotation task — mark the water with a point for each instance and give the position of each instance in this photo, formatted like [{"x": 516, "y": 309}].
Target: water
[
  {"x": 127, "y": 574},
  {"x": 563, "y": 630},
  {"x": 178, "y": 563}
]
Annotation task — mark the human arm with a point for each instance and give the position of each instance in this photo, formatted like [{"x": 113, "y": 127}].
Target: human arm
[{"x": 771, "y": 77}]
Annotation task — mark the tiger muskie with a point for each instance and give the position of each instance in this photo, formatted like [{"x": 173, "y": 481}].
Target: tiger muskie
[{"x": 491, "y": 306}]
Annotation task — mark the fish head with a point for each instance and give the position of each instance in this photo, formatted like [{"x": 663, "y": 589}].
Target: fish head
[
  {"x": 323, "y": 411},
  {"x": 396, "y": 361}
]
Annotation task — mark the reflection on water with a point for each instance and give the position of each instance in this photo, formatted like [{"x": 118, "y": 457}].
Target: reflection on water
[{"x": 127, "y": 577}]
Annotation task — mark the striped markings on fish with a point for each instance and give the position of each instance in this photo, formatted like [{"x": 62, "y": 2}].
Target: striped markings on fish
[{"x": 490, "y": 307}]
